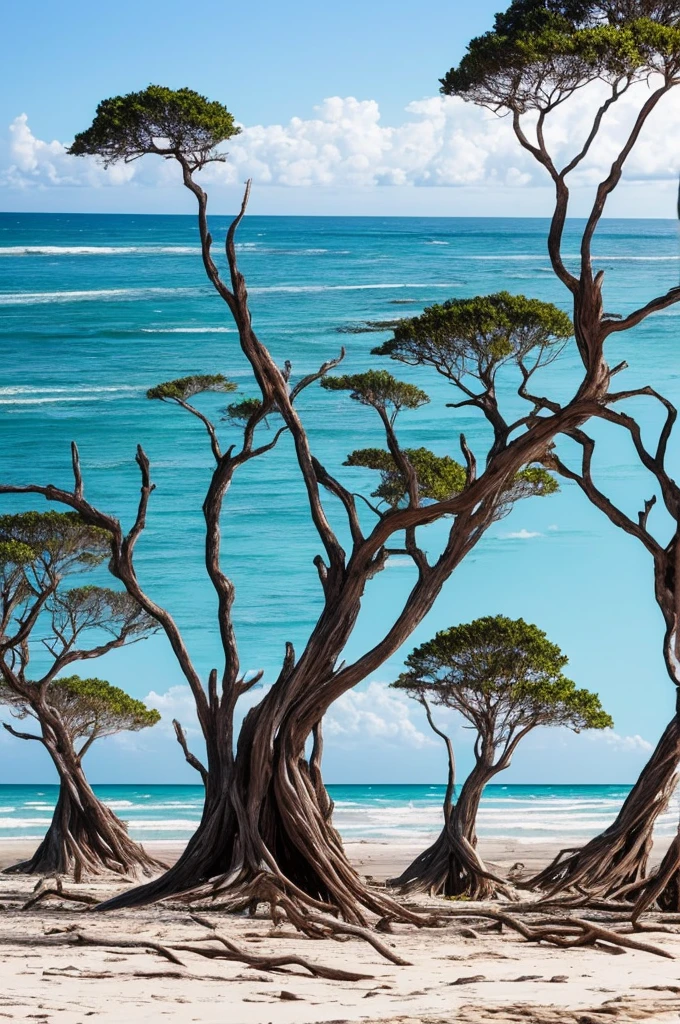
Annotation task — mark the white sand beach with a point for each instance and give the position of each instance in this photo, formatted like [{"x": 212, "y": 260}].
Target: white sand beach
[{"x": 455, "y": 973}]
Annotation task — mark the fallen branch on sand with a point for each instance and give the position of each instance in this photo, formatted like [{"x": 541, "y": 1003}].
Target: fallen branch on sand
[
  {"x": 563, "y": 931},
  {"x": 227, "y": 950}
]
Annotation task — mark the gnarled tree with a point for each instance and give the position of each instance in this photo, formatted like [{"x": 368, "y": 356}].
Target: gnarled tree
[
  {"x": 505, "y": 678},
  {"x": 46, "y": 623},
  {"x": 538, "y": 55},
  {"x": 614, "y": 863},
  {"x": 265, "y": 830}
]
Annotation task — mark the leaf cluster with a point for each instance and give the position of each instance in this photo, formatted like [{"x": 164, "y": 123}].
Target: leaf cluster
[
  {"x": 477, "y": 335},
  {"x": 60, "y": 540},
  {"x": 94, "y": 705},
  {"x": 169, "y": 122},
  {"x": 379, "y": 389},
  {"x": 501, "y": 674},
  {"x": 539, "y": 52},
  {"x": 440, "y": 477},
  {"x": 89, "y": 708},
  {"x": 183, "y": 388}
]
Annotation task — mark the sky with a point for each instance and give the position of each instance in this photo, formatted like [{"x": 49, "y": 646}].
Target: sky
[{"x": 339, "y": 106}]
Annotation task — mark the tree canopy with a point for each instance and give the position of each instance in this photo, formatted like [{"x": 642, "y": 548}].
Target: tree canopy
[
  {"x": 51, "y": 539},
  {"x": 440, "y": 477},
  {"x": 184, "y": 388},
  {"x": 503, "y": 675},
  {"x": 539, "y": 52},
  {"x": 379, "y": 389},
  {"x": 167, "y": 122},
  {"x": 89, "y": 708},
  {"x": 475, "y": 336}
]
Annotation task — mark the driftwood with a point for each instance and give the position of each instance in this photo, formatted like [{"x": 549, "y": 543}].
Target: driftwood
[{"x": 228, "y": 950}]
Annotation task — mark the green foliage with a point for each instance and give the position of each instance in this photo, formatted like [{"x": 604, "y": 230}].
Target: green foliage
[
  {"x": 184, "y": 388},
  {"x": 241, "y": 412},
  {"x": 170, "y": 122},
  {"x": 379, "y": 389},
  {"x": 503, "y": 675},
  {"x": 61, "y": 539},
  {"x": 540, "y": 52},
  {"x": 93, "y": 705},
  {"x": 477, "y": 335},
  {"x": 439, "y": 477}
]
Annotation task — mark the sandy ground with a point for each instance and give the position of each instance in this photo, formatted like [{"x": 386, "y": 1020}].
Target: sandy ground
[{"x": 473, "y": 978}]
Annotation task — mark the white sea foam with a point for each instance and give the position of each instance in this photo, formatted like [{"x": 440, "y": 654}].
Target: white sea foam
[
  {"x": 96, "y": 295},
  {"x": 294, "y": 288},
  {"x": 23, "y": 822},
  {"x": 28, "y": 389},
  {"x": 97, "y": 250},
  {"x": 188, "y": 330}
]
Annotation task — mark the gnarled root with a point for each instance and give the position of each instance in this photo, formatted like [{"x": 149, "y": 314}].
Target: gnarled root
[
  {"x": 86, "y": 839},
  {"x": 312, "y": 917},
  {"x": 614, "y": 864},
  {"x": 451, "y": 867},
  {"x": 662, "y": 887},
  {"x": 563, "y": 931}
]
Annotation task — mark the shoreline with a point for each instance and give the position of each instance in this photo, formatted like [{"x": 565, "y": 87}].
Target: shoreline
[{"x": 381, "y": 858}]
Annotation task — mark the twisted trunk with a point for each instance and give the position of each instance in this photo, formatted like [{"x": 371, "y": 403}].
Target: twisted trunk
[
  {"x": 85, "y": 837},
  {"x": 614, "y": 863},
  {"x": 267, "y": 818},
  {"x": 452, "y": 866}
]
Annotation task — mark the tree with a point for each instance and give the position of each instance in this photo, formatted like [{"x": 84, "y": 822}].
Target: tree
[
  {"x": 537, "y": 56},
  {"x": 614, "y": 863},
  {"x": 44, "y": 622},
  {"x": 266, "y": 826},
  {"x": 505, "y": 678}
]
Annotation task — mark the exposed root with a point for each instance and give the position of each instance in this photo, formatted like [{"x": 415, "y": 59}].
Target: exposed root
[
  {"x": 227, "y": 950},
  {"x": 663, "y": 887},
  {"x": 564, "y": 931},
  {"x": 319, "y": 920},
  {"x": 267, "y": 963},
  {"x": 452, "y": 867},
  {"x": 59, "y": 894},
  {"x": 613, "y": 865}
]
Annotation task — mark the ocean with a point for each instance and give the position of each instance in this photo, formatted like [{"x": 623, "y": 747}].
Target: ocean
[
  {"x": 532, "y": 814},
  {"x": 95, "y": 309}
]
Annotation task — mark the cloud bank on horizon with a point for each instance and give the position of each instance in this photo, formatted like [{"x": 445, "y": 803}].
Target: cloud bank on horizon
[{"x": 443, "y": 142}]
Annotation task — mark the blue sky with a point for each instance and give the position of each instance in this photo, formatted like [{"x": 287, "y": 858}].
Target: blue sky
[{"x": 397, "y": 148}]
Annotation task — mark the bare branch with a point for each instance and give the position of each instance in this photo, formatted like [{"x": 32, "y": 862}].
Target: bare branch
[{"x": 189, "y": 757}]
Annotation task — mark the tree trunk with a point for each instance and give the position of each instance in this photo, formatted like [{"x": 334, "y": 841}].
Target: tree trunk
[
  {"x": 266, "y": 834},
  {"x": 85, "y": 838},
  {"x": 452, "y": 866},
  {"x": 614, "y": 863}
]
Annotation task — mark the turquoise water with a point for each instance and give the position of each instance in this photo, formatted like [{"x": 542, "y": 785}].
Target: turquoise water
[
  {"x": 95, "y": 309},
  {"x": 530, "y": 813}
]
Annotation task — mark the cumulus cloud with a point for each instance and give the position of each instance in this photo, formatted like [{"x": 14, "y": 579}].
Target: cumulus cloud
[
  {"x": 374, "y": 713},
  {"x": 177, "y": 702},
  {"x": 441, "y": 142},
  {"x": 624, "y": 744}
]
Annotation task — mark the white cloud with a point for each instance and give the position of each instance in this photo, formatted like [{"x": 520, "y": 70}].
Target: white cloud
[
  {"x": 441, "y": 142},
  {"x": 624, "y": 744},
  {"x": 177, "y": 702},
  {"x": 521, "y": 535},
  {"x": 377, "y": 713}
]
